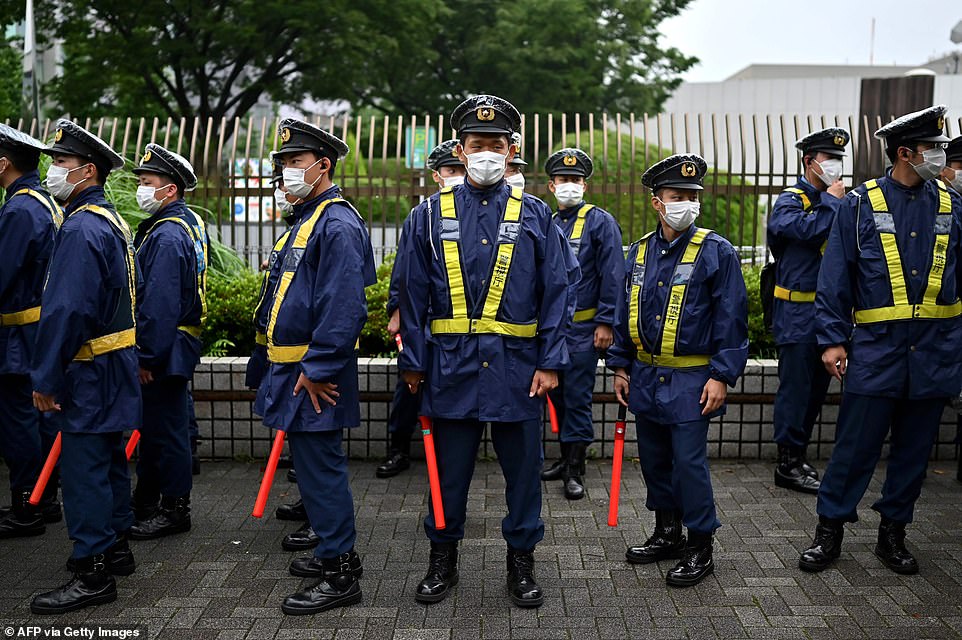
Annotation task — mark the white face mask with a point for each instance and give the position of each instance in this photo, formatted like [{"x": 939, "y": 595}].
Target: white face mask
[
  {"x": 147, "y": 198},
  {"x": 281, "y": 202},
  {"x": 452, "y": 181},
  {"x": 57, "y": 184},
  {"x": 933, "y": 161},
  {"x": 569, "y": 194},
  {"x": 486, "y": 167},
  {"x": 517, "y": 180},
  {"x": 956, "y": 182},
  {"x": 831, "y": 171},
  {"x": 680, "y": 215},
  {"x": 294, "y": 181}
]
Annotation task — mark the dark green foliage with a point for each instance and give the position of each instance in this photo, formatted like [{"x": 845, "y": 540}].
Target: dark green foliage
[
  {"x": 230, "y": 308},
  {"x": 11, "y": 78},
  {"x": 375, "y": 340},
  {"x": 761, "y": 343}
]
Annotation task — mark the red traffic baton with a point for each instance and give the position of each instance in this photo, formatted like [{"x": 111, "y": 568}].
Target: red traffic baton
[
  {"x": 268, "y": 478},
  {"x": 616, "y": 467},
  {"x": 48, "y": 467},
  {"x": 552, "y": 415},
  {"x": 433, "y": 480},
  {"x": 132, "y": 443}
]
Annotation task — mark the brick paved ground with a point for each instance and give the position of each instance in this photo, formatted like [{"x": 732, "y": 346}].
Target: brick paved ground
[{"x": 226, "y": 578}]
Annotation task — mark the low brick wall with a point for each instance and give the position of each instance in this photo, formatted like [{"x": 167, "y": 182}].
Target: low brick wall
[{"x": 231, "y": 430}]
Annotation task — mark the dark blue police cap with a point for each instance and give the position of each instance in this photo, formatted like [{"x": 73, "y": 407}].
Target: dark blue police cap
[
  {"x": 70, "y": 139},
  {"x": 297, "y": 135},
  {"x": 953, "y": 151},
  {"x": 926, "y": 125},
  {"x": 680, "y": 171},
  {"x": 569, "y": 162},
  {"x": 486, "y": 114},
  {"x": 831, "y": 141},
  {"x": 11, "y": 138},
  {"x": 444, "y": 155},
  {"x": 164, "y": 161}
]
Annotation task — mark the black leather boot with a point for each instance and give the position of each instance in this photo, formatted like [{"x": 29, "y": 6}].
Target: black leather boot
[
  {"x": 666, "y": 541},
  {"x": 90, "y": 585},
  {"x": 696, "y": 562},
  {"x": 301, "y": 540},
  {"x": 172, "y": 517},
  {"x": 809, "y": 470},
  {"x": 294, "y": 511},
  {"x": 522, "y": 588},
  {"x": 826, "y": 547},
  {"x": 790, "y": 474},
  {"x": 442, "y": 573},
  {"x": 144, "y": 503},
  {"x": 891, "y": 548},
  {"x": 23, "y": 519},
  {"x": 575, "y": 471},
  {"x": 395, "y": 462},
  {"x": 338, "y": 588},
  {"x": 557, "y": 470},
  {"x": 313, "y": 567},
  {"x": 119, "y": 559},
  {"x": 285, "y": 461},
  {"x": 49, "y": 505},
  {"x": 292, "y": 476}
]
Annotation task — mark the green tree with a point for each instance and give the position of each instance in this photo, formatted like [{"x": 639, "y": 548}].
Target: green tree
[
  {"x": 218, "y": 58},
  {"x": 11, "y": 77},
  {"x": 543, "y": 55}
]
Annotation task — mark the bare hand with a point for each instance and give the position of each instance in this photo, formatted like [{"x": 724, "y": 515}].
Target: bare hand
[
  {"x": 543, "y": 382},
  {"x": 394, "y": 323},
  {"x": 44, "y": 403},
  {"x": 603, "y": 337},
  {"x": 713, "y": 396},
  {"x": 622, "y": 384},
  {"x": 413, "y": 379},
  {"x": 146, "y": 377},
  {"x": 835, "y": 360},
  {"x": 317, "y": 391},
  {"x": 837, "y": 189}
]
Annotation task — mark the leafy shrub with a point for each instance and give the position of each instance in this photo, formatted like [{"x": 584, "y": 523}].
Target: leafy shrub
[
  {"x": 231, "y": 299},
  {"x": 761, "y": 343},
  {"x": 375, "y": 340}
]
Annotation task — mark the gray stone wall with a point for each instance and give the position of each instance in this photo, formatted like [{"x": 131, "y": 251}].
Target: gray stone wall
[{"x": 231, "y": 430}]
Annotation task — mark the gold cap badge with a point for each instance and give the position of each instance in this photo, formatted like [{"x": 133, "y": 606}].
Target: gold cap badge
[
  {"x": 146, "y": 158},
  {"x": 285, "y": 134},
  {"x": 839, "y": 141},
  {"x": 688, "y": 169},
  {"x": 941, "y": 122},
  {"x": 485, "y": 114},
  {"x": 57, "y": 136},
  {"x": 570, "y": 161}
]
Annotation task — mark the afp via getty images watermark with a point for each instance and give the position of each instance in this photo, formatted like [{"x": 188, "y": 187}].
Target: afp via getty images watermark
[{"x": 85, "y": 631}]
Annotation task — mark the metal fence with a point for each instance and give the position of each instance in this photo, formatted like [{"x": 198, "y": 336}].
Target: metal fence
[{"x": 752, "y": 159}]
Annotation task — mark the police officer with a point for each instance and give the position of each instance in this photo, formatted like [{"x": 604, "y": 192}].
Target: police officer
[
  {"x": 514, "y": 172},
  {"x": 447, "y": 170},
  {"x": 172, "y": 250},
  {"x": 952, "y": 173},
  {"x": 681, "y": 339},
  {"x": 595, "y": 239},
  {"x": 893, "y": 265},
  {"x": 29, "y": 219},
  {"x": 797, "y": 230},
  {"x": 484, "y": 277},
  {"x": 310, "y": 389},
  {"x": 86, "y": 372}
]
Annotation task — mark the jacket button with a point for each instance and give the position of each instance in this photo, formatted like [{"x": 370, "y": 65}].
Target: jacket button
[
  {"x": 915, "y": 272},
  {"x": 484, "y": 202},
  {"x": 660, "y": 283},
  {"x": 484, "y": 241},
  {"x": 913, "y": 234},
  {"x": 657, "y": 317},
  {"x": 484, "y": 364},
  {"x": 661, "y": 378},
  {"x": 912, "y": 348}
]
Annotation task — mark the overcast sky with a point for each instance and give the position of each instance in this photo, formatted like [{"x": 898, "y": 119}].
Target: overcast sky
[{"x": 728, "y": 35}]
